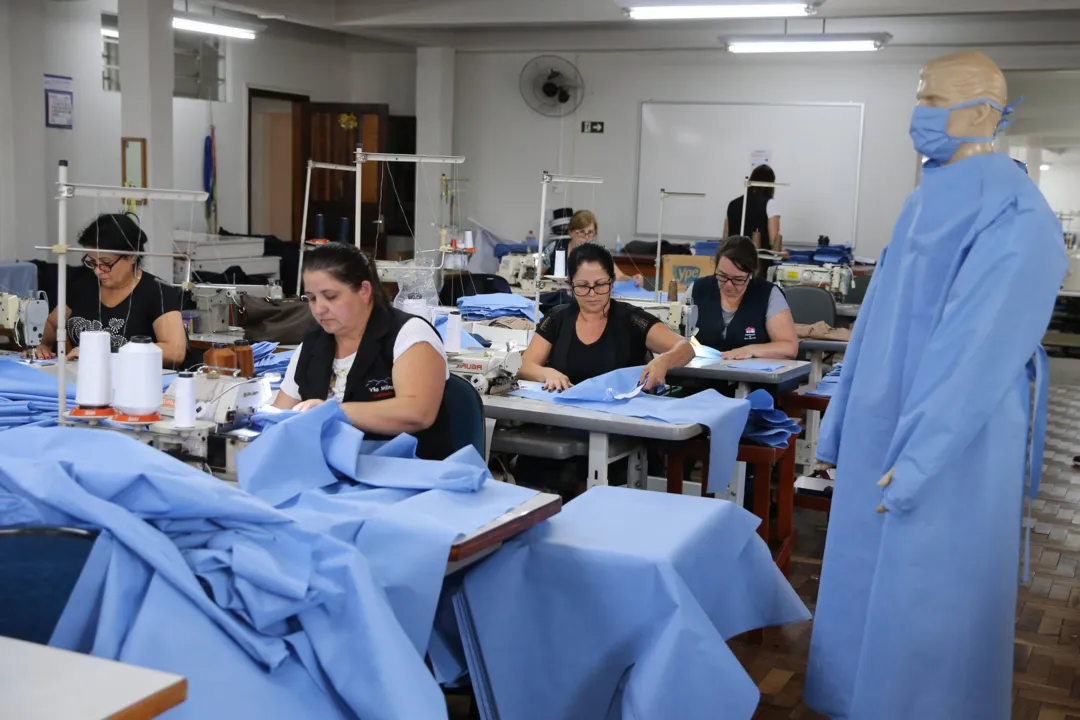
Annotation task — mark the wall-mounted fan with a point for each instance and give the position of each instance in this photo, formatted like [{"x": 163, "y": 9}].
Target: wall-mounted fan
[{"x": 552, "y": 86}]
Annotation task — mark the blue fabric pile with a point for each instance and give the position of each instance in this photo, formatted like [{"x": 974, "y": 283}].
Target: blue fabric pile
[
  {"x": 828, "y": 384},
  {"x": 619, "y": 393},
  {"x": 502, "y": 249},
  {"x": 822, "y": 254},
  {"x": 627, "y": 289},
  {"x": 493, "y": 305},
  {"x": 468, "y": 340},
  {"x": 766, "y": 425},
  {"x": 620, "y": 607},
  {"x": 706, "y": 248},
  {"x": 267, "y": 361}
]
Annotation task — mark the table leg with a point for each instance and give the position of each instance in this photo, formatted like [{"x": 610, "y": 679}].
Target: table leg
[
  {"x": 675, "y": 471},
  {"x": 762, "y": 488},
  {"x": 742, "y": 390},
  {"x": 489, "y": 432},
  {"x": 598, "y": 459},
  {"x": 813, "y": 417},
  {"x": 639, "y": 469}
]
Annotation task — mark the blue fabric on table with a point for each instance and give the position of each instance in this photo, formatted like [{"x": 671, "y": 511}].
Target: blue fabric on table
[
  {"x": 930, "y": 390},
  {"x": 468, "y": 340},
  {"x": 627, "y": 289},
  {"x": 724, "y": 417},
  {"x": 828, "y": 384},
  {"x": 757, "y": 365},
  {"x": 18, "y": 278},
  {"x": 619, "y": 608},
  {"x": 193, "y": 576},
  {"x": 493, "y": 305},
  {"x": 821, "y": 255},
  {"x": 317, "y": 468}
]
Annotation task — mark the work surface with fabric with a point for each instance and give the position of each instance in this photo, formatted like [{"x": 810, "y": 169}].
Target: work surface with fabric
[{"x": 1046, "y": 680}]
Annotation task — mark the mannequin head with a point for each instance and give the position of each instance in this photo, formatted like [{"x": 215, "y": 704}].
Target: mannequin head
[{"x": 959, "y": 78}]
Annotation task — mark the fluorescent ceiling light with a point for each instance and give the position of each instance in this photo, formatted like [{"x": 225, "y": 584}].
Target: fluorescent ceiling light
[
  {"x": 807, "y": 43},
  {"x": 721, "y": 11},
  {"x": 110, "y": 32},
  {"x": 1044, "y": 167},
  {"x": 212, "y": 28}
]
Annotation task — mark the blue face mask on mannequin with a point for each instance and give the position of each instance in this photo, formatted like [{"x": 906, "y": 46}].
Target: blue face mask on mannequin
[{"x": 930, "y": 128}]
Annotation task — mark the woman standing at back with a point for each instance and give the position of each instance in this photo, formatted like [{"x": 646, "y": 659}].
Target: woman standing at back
[{"x": 762, "y": 215}]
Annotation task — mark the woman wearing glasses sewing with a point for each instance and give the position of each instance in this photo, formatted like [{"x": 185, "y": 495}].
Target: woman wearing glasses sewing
[
  {"x": 596, "y": 334},
  {"x": 120, "y": 296},
  {"x": 741, "y": 315}
]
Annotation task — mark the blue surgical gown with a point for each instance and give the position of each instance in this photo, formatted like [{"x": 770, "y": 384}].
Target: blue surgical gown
[{"x": 916, "y": 606}]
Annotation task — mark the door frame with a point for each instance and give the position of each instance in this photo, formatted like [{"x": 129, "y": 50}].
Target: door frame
[{"x": 300, "y": 103}]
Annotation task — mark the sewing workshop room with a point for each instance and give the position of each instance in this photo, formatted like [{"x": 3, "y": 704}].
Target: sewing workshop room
[{"x": 540, "y": 359}]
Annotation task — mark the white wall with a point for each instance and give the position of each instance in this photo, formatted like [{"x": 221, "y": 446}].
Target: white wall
[
  {"x": 507, "y": 145},
  {"x": 1061, "y": 184},
  {"x": 70, "y": 44}
]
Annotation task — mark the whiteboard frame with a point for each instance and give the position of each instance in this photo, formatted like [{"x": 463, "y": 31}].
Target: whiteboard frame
[{"x": 859, "y": 156}]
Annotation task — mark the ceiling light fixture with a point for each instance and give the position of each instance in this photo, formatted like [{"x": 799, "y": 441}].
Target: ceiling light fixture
[
  {"x": 200, "y": 25},
  {"x": 713, "y": 10},
  {"x": 110, "y": 32},
  {"x": 806, "y": 43},
  {"x": 1044, "y": 167}
]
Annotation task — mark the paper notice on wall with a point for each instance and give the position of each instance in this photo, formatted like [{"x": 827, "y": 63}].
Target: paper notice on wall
[
  {"x": 760, "y": 157},
  {"x": 59, "y": 101}
]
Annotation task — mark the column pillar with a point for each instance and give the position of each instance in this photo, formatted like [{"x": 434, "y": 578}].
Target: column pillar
[
  {"x": 146, "y": 111},
  {"x": 434, "y": 133}
]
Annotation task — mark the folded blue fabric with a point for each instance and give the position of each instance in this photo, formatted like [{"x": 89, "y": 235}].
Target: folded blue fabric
[
  {"x": 627, "y": 289},
  {"x": 724, "y": 417},
  {"x": 193, "y": 576},
  {"x": 766, "y": 425},
  {"x": 619, "y": 607},
  {"x": 493, "y": 305}
]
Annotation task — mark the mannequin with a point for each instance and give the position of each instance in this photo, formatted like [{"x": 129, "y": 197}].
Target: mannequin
[{"x": 929, "y": 426}]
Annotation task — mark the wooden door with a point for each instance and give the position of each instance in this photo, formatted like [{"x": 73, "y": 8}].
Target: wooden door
[{"x": 334, "y": 130}]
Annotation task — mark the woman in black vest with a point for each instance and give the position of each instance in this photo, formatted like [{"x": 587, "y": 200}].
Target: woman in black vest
[
  {"x": 739, "y": 314},
  {"x": 386, "y": 367},
  {"x": 762, "y": 215},
  {"x": 595, "y": 334}
]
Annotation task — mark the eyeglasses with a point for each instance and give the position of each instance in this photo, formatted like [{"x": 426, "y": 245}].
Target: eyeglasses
[
  {"x": 93, "y": 264},
  {"x": 587, "y": 234},
  {"x": 599, "y": 288},
  {"x": 735, "y": 281}
]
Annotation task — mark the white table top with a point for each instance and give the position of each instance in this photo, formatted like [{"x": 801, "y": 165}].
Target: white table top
[
  {"x": 501, "y": 407},
  {"x": 729, "y": 371},
  {"x": 44, "y": 683}
]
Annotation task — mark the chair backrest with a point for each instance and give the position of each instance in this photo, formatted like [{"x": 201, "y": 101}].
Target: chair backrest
[
  {"x": 38, "y": 570},
  {"x": 811, "y": 304},
  {"x": 466, "y": 414}
]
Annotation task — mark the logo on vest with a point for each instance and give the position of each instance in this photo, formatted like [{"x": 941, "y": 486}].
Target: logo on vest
[
  {"x": 751, "y": 334},
  {"x": 381, "y": 389}
]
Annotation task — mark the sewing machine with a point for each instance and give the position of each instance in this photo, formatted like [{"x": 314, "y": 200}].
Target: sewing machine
[
  {"x": 491, "y": 372},
  {"x": 23, "y": 319},
  {"x": 213, "y": 302},
  {"x": 681, "y": 317},
  {"x": 837, "y": 279},
  {"x": 520, "y": 271}
]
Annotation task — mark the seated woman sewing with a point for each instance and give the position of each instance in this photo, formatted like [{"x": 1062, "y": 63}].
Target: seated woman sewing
[
  {"x": 741, "y": 315},
  {"x": 386, "y": 367},
  {"x": 120, "y": 297}
]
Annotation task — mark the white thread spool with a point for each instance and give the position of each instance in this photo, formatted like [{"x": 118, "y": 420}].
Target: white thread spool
[
  {"x": 417, "y": 307},
  {"x": 138, "y": 387},
  {"x": 453, "y": 332},
  {"x": 560, "y": 263},
  {"x": 184, "y": 396},
  {"x": 469, "y": 240},
  {"x": 94, "y": 385}
]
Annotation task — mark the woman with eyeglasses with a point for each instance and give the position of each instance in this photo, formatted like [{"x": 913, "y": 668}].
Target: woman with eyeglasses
[
  {"x": 596, "y": 334},
  {"x": 739, "y": 314},
  {"x": 583, "y": 228},
  {"x": 386, "y": 367},
  {"x": 120, "y": 297}
]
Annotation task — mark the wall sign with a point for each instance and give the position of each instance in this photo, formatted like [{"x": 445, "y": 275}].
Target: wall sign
[
  {"x": 592, "y": 127},
  {"x": 59, "y": 101}
]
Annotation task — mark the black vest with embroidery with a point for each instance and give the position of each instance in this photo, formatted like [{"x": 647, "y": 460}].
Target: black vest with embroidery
[
  {"x": 371, "y": 377},
  {"x": 747, "y": 326}
]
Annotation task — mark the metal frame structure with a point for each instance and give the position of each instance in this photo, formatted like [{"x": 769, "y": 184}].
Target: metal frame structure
[
  {"x": 69, "y": 191},
  {"x": 361, "y": 158},
  {"x": 664, "y": 195},
  {"x": 746, "y": 195},
  {"x": 546, "y": 179}
]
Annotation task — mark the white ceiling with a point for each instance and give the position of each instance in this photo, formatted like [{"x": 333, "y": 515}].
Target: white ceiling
[{"x": 582, "y": 25}]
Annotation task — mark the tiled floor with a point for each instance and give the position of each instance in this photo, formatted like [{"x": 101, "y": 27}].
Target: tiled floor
[{"x": 1047, "y": 677}]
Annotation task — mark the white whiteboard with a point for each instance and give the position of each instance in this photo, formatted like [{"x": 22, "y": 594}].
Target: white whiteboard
[{"x": 709, "y": 147}]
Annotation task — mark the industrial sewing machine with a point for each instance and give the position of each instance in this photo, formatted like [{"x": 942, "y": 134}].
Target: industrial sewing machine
[
  {"x": 23, "y": 319},
  {"x": 681, "y": 317},
  {"x": 213, "y": 303},
  {"x": 491, "y": 372},
  {"x": 837, "y": 279},
  {"x": 519, "y": 269}
]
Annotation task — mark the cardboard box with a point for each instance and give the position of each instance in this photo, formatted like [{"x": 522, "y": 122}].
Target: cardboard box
[{"x": 685, "y": 269}]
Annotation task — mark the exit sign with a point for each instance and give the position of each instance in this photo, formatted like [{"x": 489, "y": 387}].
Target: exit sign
[{"x": 592, "y": 127}]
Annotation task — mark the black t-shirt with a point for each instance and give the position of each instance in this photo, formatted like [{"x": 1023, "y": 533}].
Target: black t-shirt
[
  {"x": 621, "y": 345},
  {"x": 149, "y": 300}
]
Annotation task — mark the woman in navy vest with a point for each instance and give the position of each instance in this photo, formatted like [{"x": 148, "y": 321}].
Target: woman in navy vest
[
  {"x": 762, "y": 215},
  {"x": 596, "y": 334},
  {"x": 386, "y": 367},
  {"x": 741, "y": 315}
]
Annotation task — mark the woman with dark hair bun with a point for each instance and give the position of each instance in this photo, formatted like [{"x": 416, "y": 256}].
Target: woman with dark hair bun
[
  {"x": 762, "y": 215},
  {"x": 596, "y": 334},
  {"x": 386, "y": 367},
  {"x": 120, "y": 297}
]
